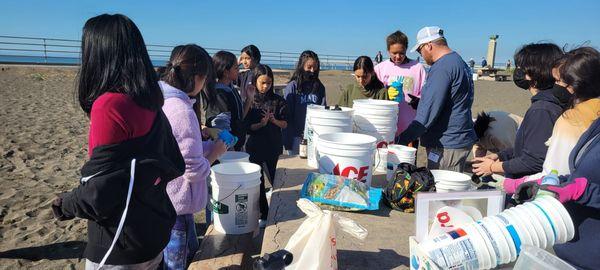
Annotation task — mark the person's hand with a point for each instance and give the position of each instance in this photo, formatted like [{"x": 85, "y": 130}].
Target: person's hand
[
  {"x": 395, "y": 94},
  {"x": 57, "y": 209},
  {"x": 510, "y": 185},
  {"x": 482, "y": 166},
  {"x": 492, "y": 156},
  {"x": 219, "y": 148},
  {"x": 567, "y": 192},
  {"x": 212, "y": 133},
  {"x": 265, "y": 118},
  {"x": 250, "y": 91},
  {"x": 414, "y": 101}
]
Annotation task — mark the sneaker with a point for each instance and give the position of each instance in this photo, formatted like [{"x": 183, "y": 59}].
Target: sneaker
[{"x": 262, "y": 223}]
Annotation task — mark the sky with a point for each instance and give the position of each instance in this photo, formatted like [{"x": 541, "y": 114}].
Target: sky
[{"x": 327, "y": 27}]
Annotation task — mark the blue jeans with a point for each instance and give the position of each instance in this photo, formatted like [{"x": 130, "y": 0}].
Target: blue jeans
[{"x": 183, "y": 243}]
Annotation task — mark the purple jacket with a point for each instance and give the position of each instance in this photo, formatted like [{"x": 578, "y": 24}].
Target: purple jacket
[{"x": 188, "y": 193}]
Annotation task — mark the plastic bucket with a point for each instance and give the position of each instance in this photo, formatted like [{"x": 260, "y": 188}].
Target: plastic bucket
[
  {"x": 462, "y": 248},
  {"x": 235, "y": 194},
  {"x": 451, "y": 181},
  {"x": 377, "y": 118},
  {"x": 536, "y": 258},
  {"x": 234, "y": 156},
  {"x": 347, "y": 154},
  {"x": 321, "y": 121}
]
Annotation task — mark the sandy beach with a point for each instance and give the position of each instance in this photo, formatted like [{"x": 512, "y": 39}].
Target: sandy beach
[{"x": 43, "y": 143}]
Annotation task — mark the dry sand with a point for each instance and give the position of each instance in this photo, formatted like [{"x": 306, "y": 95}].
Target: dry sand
[{"x": 43, "y": 144}]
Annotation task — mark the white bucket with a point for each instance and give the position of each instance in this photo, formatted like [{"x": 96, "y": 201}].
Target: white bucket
[
  {"x": 235, "y": 188},
  {"x": 234, "y": 156},
  {"x": 377, "y": 118},
  {"x": 397, "y": 154},
  {"x": 451, "y": 181},
  {"x": 322, "y": 121},
  {"x": 348, "y": 154}
]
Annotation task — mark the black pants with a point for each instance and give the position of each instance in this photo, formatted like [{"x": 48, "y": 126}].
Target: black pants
[{"x": 271, "y": 165}]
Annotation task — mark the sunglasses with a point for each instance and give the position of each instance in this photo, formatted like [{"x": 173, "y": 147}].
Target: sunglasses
[{"x": 421, "y": 47}]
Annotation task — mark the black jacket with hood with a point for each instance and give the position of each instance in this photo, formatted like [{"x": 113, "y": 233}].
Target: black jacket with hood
[
  {"x": 529, "y": 152},
  {"x": 101, "y": 198}
]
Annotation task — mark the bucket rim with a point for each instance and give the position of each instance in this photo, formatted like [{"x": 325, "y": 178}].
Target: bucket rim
[{"x": 219, "y": 167}]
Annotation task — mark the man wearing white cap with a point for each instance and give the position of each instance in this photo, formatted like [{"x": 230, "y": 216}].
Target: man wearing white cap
[{"x": 443, "y": 120}]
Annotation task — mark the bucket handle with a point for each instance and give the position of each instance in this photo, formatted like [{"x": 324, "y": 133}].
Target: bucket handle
[{"x": 212, "y": 203}]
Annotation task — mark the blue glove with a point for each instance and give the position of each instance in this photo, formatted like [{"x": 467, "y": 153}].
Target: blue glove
[
  {"x": 228, "y": 138},
  {"x": 396, "y": 92}
]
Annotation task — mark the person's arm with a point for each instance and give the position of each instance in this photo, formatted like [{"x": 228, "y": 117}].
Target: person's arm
[
  {"x": 537, "y": 128},
  {"x": 187, "y": 133},
  {"x": 434, "y": 97},
  {"x": 344, "y": 100},
  {"x": 324, "y": 94}
]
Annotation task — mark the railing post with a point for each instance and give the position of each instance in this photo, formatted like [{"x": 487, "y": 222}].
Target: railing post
[
  {"x": 280, "y": 61},
  {"x": 45, "y": 52}
]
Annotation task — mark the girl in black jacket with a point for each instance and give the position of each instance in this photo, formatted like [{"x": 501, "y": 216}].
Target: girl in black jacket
[
  {"x": 133, "y": 154},
  {"x": 224, "y": 106}
]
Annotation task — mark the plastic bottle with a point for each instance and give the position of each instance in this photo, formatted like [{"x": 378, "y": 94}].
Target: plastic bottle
[
  {"x": 550, "y": 179},
  {"x": 303, "y": 148}
]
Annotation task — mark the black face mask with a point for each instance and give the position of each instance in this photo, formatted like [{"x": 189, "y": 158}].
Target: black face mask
[
  {"x": 309, "y": 75},
  {"x": 519, "y": 79}
]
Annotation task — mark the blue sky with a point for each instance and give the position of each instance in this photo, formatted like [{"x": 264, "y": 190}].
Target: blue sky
[{"x": 327, "y": 27}]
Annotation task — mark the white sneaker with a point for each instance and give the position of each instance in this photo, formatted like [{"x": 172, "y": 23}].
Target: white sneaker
[{"x": 262, "y": 223}]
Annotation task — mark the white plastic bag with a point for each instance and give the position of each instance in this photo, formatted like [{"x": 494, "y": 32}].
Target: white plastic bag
[{"x": 314, "y": 243}]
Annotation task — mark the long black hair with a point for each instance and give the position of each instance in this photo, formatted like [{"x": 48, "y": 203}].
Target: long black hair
[
  {"x": 537, "y": 60},
  {"x": 301, "y": 76},
  {"x": 261, "y": 70},
  {"x": 222, "y": 61},
  {"x": 366, "y": 64},
  {"x": 581, "y": 70},
  {"x": 253, "y": 52},
  {"x": 114, "y": 59},
  {"x": 185, "y": 63}
]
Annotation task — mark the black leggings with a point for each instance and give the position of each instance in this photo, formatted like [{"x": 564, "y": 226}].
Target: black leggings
[{"x": 271, "y": 165}]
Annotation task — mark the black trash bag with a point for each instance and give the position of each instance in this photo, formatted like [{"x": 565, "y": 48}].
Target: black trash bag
[{"x": 399, "y": 193}]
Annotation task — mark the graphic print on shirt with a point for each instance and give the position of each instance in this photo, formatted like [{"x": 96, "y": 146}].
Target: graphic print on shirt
[
  {"x": 308, "y": 99},
  {"x": 408, "y": 83}
]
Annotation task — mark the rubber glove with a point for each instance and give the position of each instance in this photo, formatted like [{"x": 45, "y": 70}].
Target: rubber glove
[
  {"x": 213, "y": 133},
  {"x": 565, "y": 192},
  {"x": 395, "y": 92},
  {"x": 228, "y": 138}
]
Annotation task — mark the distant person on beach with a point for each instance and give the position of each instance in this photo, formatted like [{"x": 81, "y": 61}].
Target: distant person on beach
[
  {"x": 484, "y": 63},
  {"x": 410, "y": 72},
  {"x": 267, "y": 117},
  {"x": 367, "y": 85},
  {"x": 304, "y": 88},
  {"x": 496, "y": 131},
  {"x": 472, "y": 63},
  {"x": 534, "y": 64},
  {"x": 508, "y": 64},
  {"x": 224, "y": 106},
  {"x": 378, "y": 57},
  {"x": 443, "y": 120},
  {"x": 183, "y": 79},
  {"x": 132, "y": 152},
  {"x": 249, "y": 58}
]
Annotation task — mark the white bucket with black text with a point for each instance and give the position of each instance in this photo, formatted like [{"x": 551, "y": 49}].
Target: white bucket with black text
[
  {"x": 347, "y": 154},
  {"x": 320, "y": 120},
  {"x": 235, "y": 194}
]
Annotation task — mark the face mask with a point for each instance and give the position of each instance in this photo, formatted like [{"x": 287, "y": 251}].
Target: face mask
[
  {"x": 519, "y": 79},
  {"x": 310, "y": 75}
]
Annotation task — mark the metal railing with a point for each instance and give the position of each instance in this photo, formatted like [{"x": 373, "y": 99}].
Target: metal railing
[{"x": 56, "y": 51}]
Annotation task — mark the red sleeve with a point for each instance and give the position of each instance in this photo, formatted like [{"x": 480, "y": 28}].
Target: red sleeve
[{"x": 115, "y": 118}]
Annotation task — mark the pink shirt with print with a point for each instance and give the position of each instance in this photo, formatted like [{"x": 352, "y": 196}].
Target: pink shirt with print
[{"x": 414, "y": 77}]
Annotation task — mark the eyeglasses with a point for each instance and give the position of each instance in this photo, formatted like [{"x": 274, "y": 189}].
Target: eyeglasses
[{"x": 421, "y": 47}]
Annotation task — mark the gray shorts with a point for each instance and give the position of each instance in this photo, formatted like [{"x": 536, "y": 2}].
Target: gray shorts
[{"x": 447, "y": 159}]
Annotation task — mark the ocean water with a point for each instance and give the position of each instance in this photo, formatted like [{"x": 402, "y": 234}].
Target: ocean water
[{"x": 69, "y": 61}]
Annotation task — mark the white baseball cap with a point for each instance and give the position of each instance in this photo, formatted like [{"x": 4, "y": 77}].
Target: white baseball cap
[{"x": 427, "y": 34}]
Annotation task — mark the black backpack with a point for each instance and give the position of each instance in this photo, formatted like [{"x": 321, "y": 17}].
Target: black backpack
[{"x": 408, "y": 180}]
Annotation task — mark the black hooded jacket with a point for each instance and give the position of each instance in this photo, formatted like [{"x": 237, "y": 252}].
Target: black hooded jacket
[
  {"x": 101, "y": 198},
  {"x": 529, "y": 152}
]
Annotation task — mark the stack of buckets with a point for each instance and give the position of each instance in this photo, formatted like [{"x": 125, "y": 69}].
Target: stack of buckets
[
  {"x": 320, "y": 120},
  {"x": 348, "y": 154},
  {"x": 446, "y": 181},
  {"x": 498, "y": 239},
  {"x": 377, "y": 118},
  {"x": 235, "y": 194}
]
